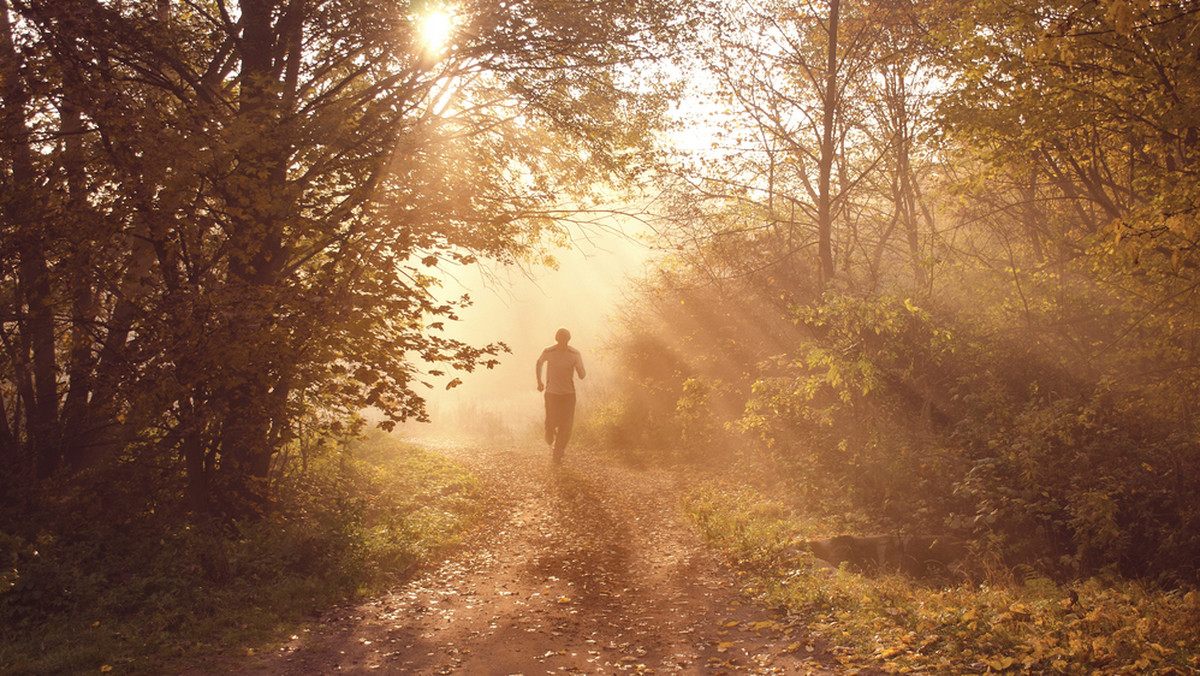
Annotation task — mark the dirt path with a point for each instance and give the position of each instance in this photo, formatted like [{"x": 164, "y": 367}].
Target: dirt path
[{"x": 585, "y": 568}]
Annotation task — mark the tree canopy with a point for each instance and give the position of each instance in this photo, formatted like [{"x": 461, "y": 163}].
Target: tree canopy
[{"x": 224, "y": 218}]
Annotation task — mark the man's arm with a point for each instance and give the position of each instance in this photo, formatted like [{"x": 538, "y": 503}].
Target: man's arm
[
  {"x": 579, "y": 366},
  {"x": 538, "y": 370}
]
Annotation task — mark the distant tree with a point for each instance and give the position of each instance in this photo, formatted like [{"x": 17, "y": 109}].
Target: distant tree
[{"x": 824, "y": 103}]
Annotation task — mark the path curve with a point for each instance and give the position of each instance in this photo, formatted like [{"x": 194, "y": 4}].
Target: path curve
[{"x": 587, "y": 568}]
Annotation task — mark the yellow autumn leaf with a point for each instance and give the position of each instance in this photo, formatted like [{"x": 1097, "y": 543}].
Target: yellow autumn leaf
[
  {"x": 1000, "y": 663},
  {"x": 765, "y": 624},
  {"x": 731, "y": 623},
  {"x": 1121, "y": 15},
  {"x": 106, "y": 668},
  {"x": 725, "y": 646}
]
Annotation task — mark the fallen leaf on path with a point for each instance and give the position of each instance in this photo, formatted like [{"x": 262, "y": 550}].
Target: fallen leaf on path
[{"x": 765, "y": 624}]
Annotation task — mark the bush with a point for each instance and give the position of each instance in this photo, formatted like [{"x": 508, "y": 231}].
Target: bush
[{"x": 138, "y": 586}]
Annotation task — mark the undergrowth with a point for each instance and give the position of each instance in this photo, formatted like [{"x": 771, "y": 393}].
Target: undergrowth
[
  {"x": 1004, "y": 624},
  {"x": 80, "y": 593}
]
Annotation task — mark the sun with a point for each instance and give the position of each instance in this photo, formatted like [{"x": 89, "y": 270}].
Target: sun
[{"x": 435, "y": 29}]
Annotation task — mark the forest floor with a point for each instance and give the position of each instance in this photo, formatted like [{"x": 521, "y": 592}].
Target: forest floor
[{"x": 588, "y": 567}]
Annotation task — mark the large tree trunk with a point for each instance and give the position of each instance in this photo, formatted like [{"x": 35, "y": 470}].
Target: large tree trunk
[
  {"x": 196, "y": 460},
  {"x": 246, "y": 445},
  {"x": 34, "y": 290}
]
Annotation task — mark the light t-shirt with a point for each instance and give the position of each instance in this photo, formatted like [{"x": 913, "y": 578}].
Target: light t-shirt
[{"x": 561, "y": 365}]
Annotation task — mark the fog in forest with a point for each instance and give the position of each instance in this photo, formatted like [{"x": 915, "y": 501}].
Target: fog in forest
[
  {"x": 523, "y": 307},
  {"x": 906, "y": 289}
]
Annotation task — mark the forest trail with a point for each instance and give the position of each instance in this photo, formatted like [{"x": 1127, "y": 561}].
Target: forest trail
[{"x": 585, "y": 568}]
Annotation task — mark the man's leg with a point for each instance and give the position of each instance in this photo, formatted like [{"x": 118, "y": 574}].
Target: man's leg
[
  {"x": 550, "y": 419},
  {"x": 566, "y": 420}
]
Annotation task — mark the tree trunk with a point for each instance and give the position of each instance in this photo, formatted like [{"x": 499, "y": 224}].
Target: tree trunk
[
  {"x": 824, "y": 199},
  {"x": 81, "y": 360},
  {"x": 43, "y": 410},
  {"x": 195, "y": 461},
  {"x": 245, "y": 445},
  {"x": 34, "y": 289},
  {"x": 9, "y": 454},
  {"x": 906, "y": 202}
]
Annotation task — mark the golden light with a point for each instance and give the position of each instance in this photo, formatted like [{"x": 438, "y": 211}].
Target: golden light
[{"x": 435, "y": 29}]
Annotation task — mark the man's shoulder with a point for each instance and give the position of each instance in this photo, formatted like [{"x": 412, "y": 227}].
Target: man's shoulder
[{"x": 556, "y": 349}]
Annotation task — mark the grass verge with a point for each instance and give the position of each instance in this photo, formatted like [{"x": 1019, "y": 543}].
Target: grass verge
[
  {"x": 1005, "y": 625},
  {"x": 134, "y": 594}
]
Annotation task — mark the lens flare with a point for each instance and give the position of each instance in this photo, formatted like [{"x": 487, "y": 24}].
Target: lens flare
[{"x": 435, "y": 29}]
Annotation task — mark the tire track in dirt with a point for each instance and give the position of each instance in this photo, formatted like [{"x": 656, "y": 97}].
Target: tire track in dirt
[{"x": 584, "y": 568}]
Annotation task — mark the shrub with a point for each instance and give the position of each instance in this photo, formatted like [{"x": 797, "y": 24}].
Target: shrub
[{"x": 136, "y": 585}]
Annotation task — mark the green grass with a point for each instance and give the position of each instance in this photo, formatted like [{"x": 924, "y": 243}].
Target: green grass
[
  {"x": 1006, "y": 625},
  {"x": 133, "y": 594}
]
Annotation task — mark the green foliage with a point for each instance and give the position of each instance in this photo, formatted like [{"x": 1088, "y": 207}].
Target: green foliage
[
  {"x": 849, "y": 409},
  {"x": 686, "y": 353},
  {"x": 637, "y": 428},
  {"x": 1004, "y": 626},
  {"x": 83, "y": 591},
  {"x": 700, "y": 427},
  {"x": 1085, "y": 186}
]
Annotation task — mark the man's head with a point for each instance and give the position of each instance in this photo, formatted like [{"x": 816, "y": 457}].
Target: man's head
[{"x": 562, "y": 337}]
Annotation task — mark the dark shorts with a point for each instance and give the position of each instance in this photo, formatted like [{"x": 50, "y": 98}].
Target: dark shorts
[{"x": 560, "y": 416}]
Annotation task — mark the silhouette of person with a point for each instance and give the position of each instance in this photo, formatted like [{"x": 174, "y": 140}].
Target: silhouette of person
[{"x": 562, "y": 363}]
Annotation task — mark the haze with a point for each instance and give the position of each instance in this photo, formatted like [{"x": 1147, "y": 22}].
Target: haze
[{"x": 523, "y": 309}]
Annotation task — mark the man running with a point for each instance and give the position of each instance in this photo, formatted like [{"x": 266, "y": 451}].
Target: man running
[{"x": 562, "y": 363}]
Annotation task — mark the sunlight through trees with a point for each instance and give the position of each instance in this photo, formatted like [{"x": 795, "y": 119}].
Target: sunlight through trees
[
  {"x": 941, "y": 261},
  {"x": 940, "y": 265},
  {"x": 928, "y": 267}
]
